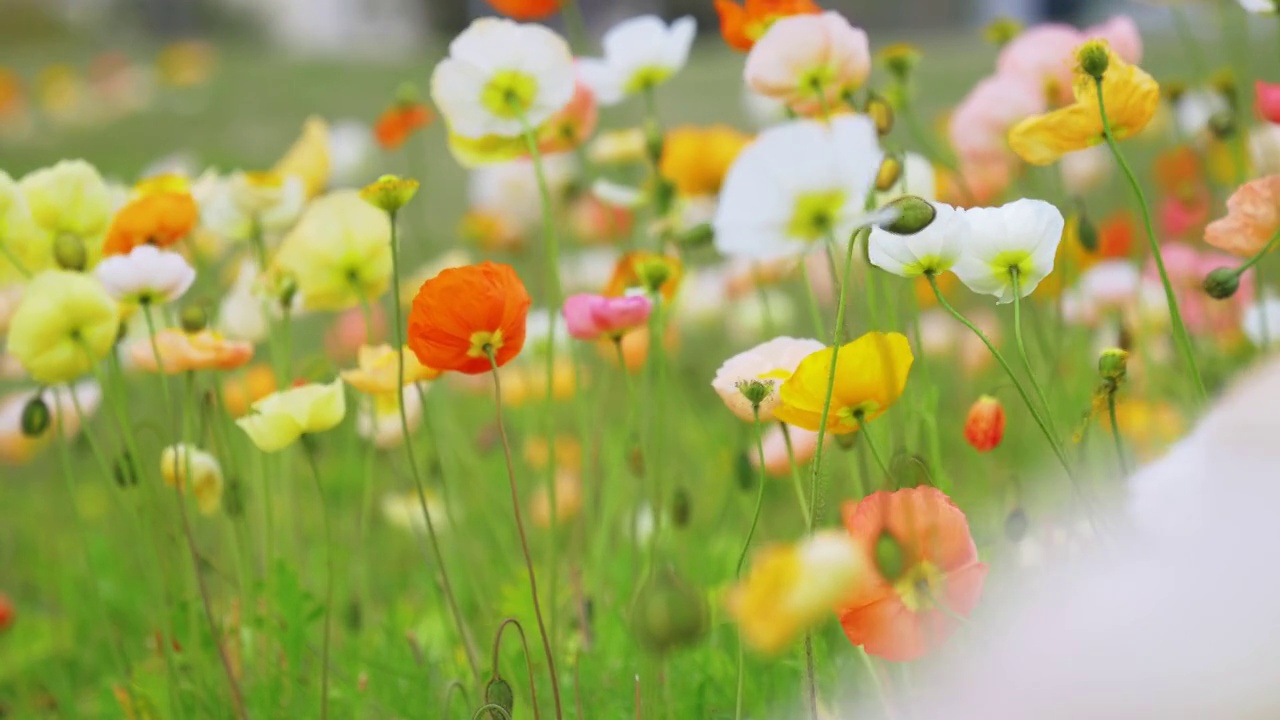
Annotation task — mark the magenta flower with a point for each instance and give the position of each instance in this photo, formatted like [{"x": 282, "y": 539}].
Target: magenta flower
[{"x": 591, "y": 317}]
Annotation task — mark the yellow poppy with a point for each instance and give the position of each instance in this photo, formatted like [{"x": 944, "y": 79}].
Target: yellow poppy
[
  {"x": 308, "y": 157},
  {"x": 279, "y": 419},
  {"x": 870, "y": 375},
  {"x": 1130, "y": 95},
  {"x": 695, "y": 159},
  {"x": 64, "y": 325},
  {"x": 339, "y": 253},
  {"x": 379, "y": 369}
]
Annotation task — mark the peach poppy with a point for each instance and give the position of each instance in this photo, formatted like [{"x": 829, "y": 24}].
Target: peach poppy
[
  {"x": 645, "y": 270},
  {"x": 1253, "y": 218},
  {"x": 238, "y": 393},
  {"x": 742, "y": 25},
  {"x": 399, "y": 122},
  {"x": 463, "y": 313},
  {"x": 526, "y": 9},
  {"x": 183, "y": 352},
  {"x": 162, "y": 218},
  {"x": 920, "y": 537}
]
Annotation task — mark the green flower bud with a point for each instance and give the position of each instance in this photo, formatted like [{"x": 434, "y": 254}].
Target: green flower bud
[
  {"x": 36, "y": 417},
  {"x": 1087, "y": 232},
  {"x": 1113, "y": 364},
  {"x": 390, "y": 193},
  {"x": 668, "y": 613},
  {"x": 881, "y": 113},
  {"x": 69, "y": 253},
  {"x": 498, "y": 692},
  {"x": 889, "y": 174},
  {"x": 1221, "y": 283},
  {"x": 193, "y": 318},
  {"x": 681, "y": 508},
  {"x": 914, "y": 214},
  {"x": 1094, "y": 59},
  {"x": 697, "y": 236},
  {"x": 756, "y": 391}
]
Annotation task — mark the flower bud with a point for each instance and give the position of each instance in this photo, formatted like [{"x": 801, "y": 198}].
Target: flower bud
[
  {"x": 390, "y": 193},
  {"x": 1223, "y": 125},
  {"x": 1087, "y": 232},
  {"x": 984, "y": 426},
  {"x": 653, "y": 273},
  {"x": 193, "y": 318},
  {"x": 1002, "y": 31},
  {"x": 1094, "y": 59},
  {"x": 125, "y": 470},
  {"x": 498, "y": 692},
  {"x": 891, "y": 557},
  {"x": 889, "y": 174},
  {"x": 681, "y": 508},
  {"x": 408, "y": 94},
  {"x": 1113, "y": 364},
  {"x": 35, "y": 417},
  {"x": 69, "y": 253},
  {"x": 1221, "y": 283},
  {"x": 900, "y": 59},
  {"x": 668, "y": 613},
  {"x": 914, "y": 215},
  {"x": 697, "y": 236},
  {"x": 881, "y": 113},
  {"x": 1015, "y": 525}
]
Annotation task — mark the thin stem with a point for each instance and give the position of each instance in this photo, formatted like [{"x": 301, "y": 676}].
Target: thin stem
[
  {"x": 329, "y": 573},
  {"x": 1115, "y": 433},
  {"x": 811, "y": 687},
  {"x": 155, "y": 351},
  {"x": 795, "y": 472},
  {"x": 866, "y": 438},
  {"x": 528, "y": 661},
  {"x": 1261, "y": 253},
  {"x": 815, "y": 312},
  {"x": 446, "y": 586},
  {"x": 1015, "y": 276},
  {"x": 13, "y": 260},
  {"x": 575, "y": 25},
  {"x": 746, "y": 545},
  {"x": 1179, "y": 328},
  {"x": 524, "y": 542}
]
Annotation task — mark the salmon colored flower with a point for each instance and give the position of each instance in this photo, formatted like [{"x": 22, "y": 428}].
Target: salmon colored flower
[
  {"x": 379, "y": 370},
  {"x": 161, "y": 216},
  {"x": 984, "y": 426},
  {"x": 792, "y": 587},
  {"x": 647, "y": 271},
  {"x": 280, "y": 419},
  {"x": 979, "y": 126},
  {"x": 178, "y": 462},
  {"x": 65, "y": 323},
  {"x": 696, "y": 159},
  {"x": 1130, "y": 95},
  {"x": 399, "y": 122},
  {"x": 810, "y": 62},
  {"x": 238, "y": 393},
  {"x": 927, "y": 572},
  {"x": 870, "y": 375},
  {"x": 743, "y": 24},
  {"x": 1253, "y": 218},
  {"x": 526, "y": 9},
  {"x": 185, "y": 352},
  {"x": 463, "y": 314},
  {"x": 592, "y": 317}
]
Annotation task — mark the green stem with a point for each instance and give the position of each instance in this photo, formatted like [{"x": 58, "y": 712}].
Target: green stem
[
  {"x": 1015, "y": 275},
  {"x": 815, "y": 312},
  {"x": 755, "y": 516},
  {"x": 446, "y": 585},
  {"x": 1115, "y": 433},
  {"x": 575, "y": 25},
  {"x": 329, "y": 575},
  {"x": 155, "y": 351},
  {"x": 795, "y": 472},
  {"x": 866, "y": 438},
  {"x": 1261, "y": 253},
  {"x": 1179, "y": 328},
  {"x": 13, "y": 260}
]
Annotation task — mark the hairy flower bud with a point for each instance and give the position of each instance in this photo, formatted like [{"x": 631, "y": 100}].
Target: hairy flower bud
[
  {"x": 1221, "y": 283},
  {"x": 668, "y": 613},
  {"x": 35, "y": 417},
  {"x": 1113, "y": 364},
  {"x": 914, "y": 214},
  {"x": 193, "y": 318},
  {"x": 390, "y": 193},
  {"x": 498, "y": 692},
  {"x": 1094, "y": 59}
]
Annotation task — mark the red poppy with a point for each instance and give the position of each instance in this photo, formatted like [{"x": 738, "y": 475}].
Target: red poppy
[
  {"x": 742, "y": 25},
  {"x": 6, "y": 612},
  {"x": 928, "y": 572},
  {"x": 1268, "y": 101},
  {"x": 461, "y": 314},
  {"x": 526, "y": 9},
  {"x": 399, "y": 122},
  {"x": 984, "y": 426}
]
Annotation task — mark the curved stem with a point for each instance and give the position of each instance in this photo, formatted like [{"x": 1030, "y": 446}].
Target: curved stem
[
  {"x": 524, "y": 542},
  {"x": 329, "y": 574},
  {"x": 1244, "y": 267},
  {"x": 528, "y": 661},
  {"x": 446, "y": 586},
  {"x": 1115, "y": 432},
  {"x": 1022, "y": 351},
  {"x": 448, "y": 696},
  {"x": 1179, "y": 328}
]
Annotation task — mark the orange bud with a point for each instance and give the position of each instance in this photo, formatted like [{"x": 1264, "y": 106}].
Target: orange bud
[{"x": 984, "y": 427}]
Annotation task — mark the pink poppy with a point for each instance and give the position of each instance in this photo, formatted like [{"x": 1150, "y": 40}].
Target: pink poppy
[{"x": 591, "y": 317}]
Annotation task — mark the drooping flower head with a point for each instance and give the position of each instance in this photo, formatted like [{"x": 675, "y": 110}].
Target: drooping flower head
[
  {"x": 161, "y": 213},
  {"x": 871, "y": 373},
  {"x": 591, "y": 317},
  {"x": 65, "y": 324},
  {"x": 339, "y": 254},
  {"x": 463, "y": 314},
  {"x": 639, "y": 54},
  {"x": 770, "y": 363},
  {"x": 278, "y": 420},
  {"x": 928, "y": 572},
  {"x": 809, "y": 62},
  {"x": 742, "y": 24},
  {"x": 502, "y": 77},
  {"x": 1022, "y": 236},
  {"x": 145, "y": 276},
  {"x": 796, "y": 186},
  {"x": 933, "y": 250}
]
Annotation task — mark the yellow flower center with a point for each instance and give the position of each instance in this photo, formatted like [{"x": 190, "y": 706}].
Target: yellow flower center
[
  {"x": 509, "y": 93},
  {"x": 815, "y": 215},
  {"x": 920, "y": 586},
  {"x": 816, "y": 80},
  {"x": 484, "y": 342},
  {"x": 856, "y": 415},
  {"x": 1006, "y": 262},
  {"x": 646, "y": 78},
  {"x": 264, "y": 179}
]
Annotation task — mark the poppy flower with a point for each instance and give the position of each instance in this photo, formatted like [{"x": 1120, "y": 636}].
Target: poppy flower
[
  {"x": 1253, "y": 218},
  {"x": 932, "y": 250},
  {"x": 1044, "y": 54},
  {"x": 870, "y": 375},
  {"x": 648, "y": 271},
  {"x": 146, "y": 276},
  {"x": 339, "y": 253},
  {"x": 984, "y": 425},
  {"x": 770, "y": 363},
  {"x": 64, "y": 325},
  {"x": 927, "y": 572},
  {"x": 379, "y": 370},
  {"x": 1131, "y": 97},
  {"x": 205, "y": 473},
  {"x": 696, "y": 159},
  {"x": 181, "y": 352},
  {"x": 462, "y": 314},
  {"x": 163, "y": 213},
  {"x": 809, "y": 62},
  {"x": 591, "y": 317},
  {"x": 70, "y": 197},
  {"x": 640, "y": 54},
  {"x": 742, "y": 25},
  {"x": 526, "y": 9},
  {"x": 1023, "y": 235},
  {"x": 280, "y": 419},
  {"x": 238, "y": 393},
  {"x": 398, "y": 122}
]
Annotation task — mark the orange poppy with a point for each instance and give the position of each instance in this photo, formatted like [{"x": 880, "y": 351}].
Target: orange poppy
[
  {"x": 462, "y": 313},
  {"x": 526, "y": 9},
  {"x": 646, "y": 270},
  {"x": 743, "y": 25},
  {"x": 1178, "y": 172},
  {"x": 161, "y": 218},
  {"x": 927, "y": 572},
  {"x": 1115, "y": 235},
  {"x": 399, "y": 122}
]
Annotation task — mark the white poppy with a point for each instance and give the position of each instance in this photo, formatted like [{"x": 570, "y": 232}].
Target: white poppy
[
  {"x": 146, "y": 276},
  {"x": 771, "y": 362},
  {"x": 797, "y": 185},
  {"x": 639, "y": 54},
  {"x": 1022, "y": 236},
  {"x": 502, "y": 77},
  {"x": 932, "y": 250}
]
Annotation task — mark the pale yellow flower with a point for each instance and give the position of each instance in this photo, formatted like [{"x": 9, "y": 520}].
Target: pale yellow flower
[
  {"x": 64, "y": 325},
  {"x": 339, "y": 253},
  {"x": 279, "y": 419},
  {"x": 182, "y": 461}
]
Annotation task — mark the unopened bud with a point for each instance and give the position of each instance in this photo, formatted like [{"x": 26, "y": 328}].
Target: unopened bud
[
  {"x": 1015, "y": 525},
  {"x": 1221, "y": 283},
  {"x": 1113, "y": 364},
  {"x": 681, "y": 508},
  {"x": 1094, "y": 59},
  {"x": 35, "y": 417},
  {"x": 900, "y": 59},
  {"x": 889, "y": 174},
  {"x": 653, "y": 274},
  {"x": 914, "y": 215},
  {"x": 668, "y": 613},
  {"x": 1002, "y": 31},
  {"x": 390, "y": 193},
  {"x": 498, "y": 692},
  {"x": 1223, "y": 125},
  {"x": 881, "y": 113},
  {"x": 1087, "y": 232},
  {"x": 408, "y": 94},
  {"x": 891, "y": 557},
  {"x": 194, "y": 318},
  {"x": 697, "y": 236},
  {"x": 69, "y": 253}
]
